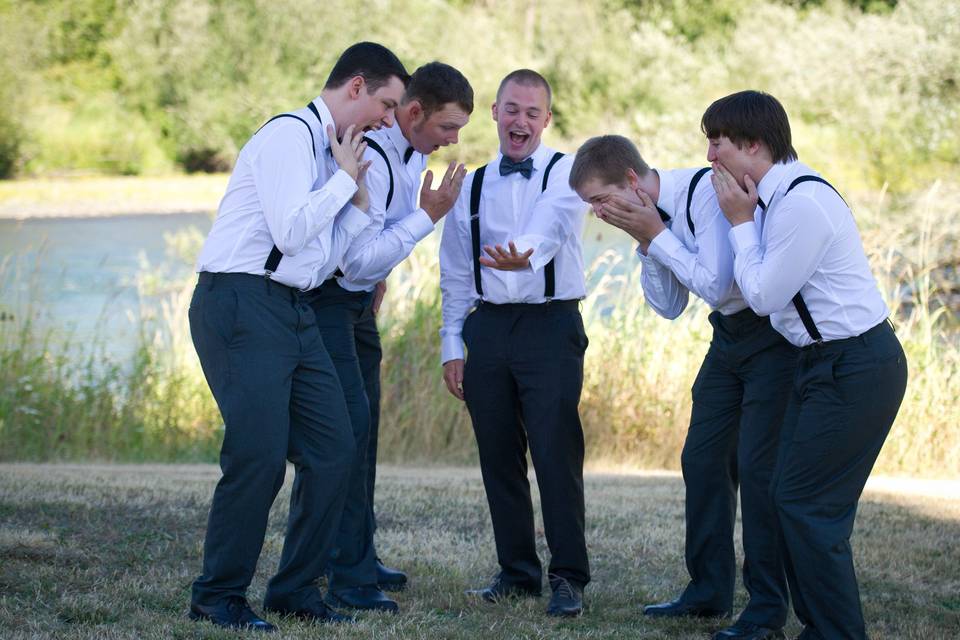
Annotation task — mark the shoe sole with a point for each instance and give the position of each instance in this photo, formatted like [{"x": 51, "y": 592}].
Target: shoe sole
[
  {"x": 337, "y": 603},
  {"x": 392, "y": 588},
  {"x": 199, "y": 617}
]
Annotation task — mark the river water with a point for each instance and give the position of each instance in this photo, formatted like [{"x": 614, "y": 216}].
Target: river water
[{"x": 78, "y": 275}]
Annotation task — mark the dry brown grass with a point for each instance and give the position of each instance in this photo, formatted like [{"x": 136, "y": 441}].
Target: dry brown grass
[{"x": 109, "y": 551}]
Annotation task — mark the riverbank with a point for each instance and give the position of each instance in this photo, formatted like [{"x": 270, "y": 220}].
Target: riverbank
[{"x": 103, "y": 196}]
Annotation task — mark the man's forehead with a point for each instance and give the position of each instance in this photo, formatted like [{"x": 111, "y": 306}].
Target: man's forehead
[
  {"x": 524, "y": 95},
  {"x": 450, "y": 113}
]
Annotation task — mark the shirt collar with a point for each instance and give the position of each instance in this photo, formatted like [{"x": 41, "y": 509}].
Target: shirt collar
[
  {"x": 395, "y": 135},
  {"x": 327, "y": 118},
  {"x": 774, "y": 176},
  {"x": 668, "y": 187}
]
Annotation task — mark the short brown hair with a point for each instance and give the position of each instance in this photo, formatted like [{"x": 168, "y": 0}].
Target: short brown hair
[
  {"x": 751, "y": 116},
  {"x": 436, "y": 85},
  {"x": 373, "y": 62},
  {"x": 607, "y": 158},
  {"x": 527, "y": 78}
]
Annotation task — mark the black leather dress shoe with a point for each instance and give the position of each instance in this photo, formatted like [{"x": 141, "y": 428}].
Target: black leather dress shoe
[
  {"x": 316, "y": 611},
  {"x": 390, "y": 579},
  {"x": 232, "y": 612},
  {"x": 679, "y": 609},
  {"x": 744, "y": 630},
  {"x": 566, "y": 601},
  {"x": 500, "y": 589},
  {"x": 367, "y": 598}
]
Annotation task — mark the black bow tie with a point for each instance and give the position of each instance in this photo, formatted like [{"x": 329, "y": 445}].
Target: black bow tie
[
  {"x": 508, "y": 166},
  {"x": 407, "y": 154}
]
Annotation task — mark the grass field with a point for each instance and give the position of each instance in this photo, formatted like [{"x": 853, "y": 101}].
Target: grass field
[{"x": 108, "y": 551}]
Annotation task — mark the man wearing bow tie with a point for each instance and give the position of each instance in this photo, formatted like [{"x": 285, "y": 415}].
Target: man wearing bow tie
[{"x": 516, "y": 309}]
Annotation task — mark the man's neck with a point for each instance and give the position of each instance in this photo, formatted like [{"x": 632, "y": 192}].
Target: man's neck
[
  {"x": 404, "y": 121},
  {"x": 337, "y": 105},
  {"x": 759, "y": 170},
  {"x": 650, "y": 185}
]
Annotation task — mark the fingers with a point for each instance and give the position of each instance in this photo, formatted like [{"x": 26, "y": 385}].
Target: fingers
[
  {"x": 453, "y": 378},
  {"x": 751, "y": 187},
  {"x": 362, "y": 171},
  {"x": 645, "y": 199},
  {"x": 427, "y": 182}
]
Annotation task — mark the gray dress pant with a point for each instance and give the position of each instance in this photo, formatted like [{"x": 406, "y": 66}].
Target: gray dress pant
[
  {"x": 844, "y": 400},
  {"x": 739, "y": 398},
  {"x": 522, "y": 381},
  {"x": 338, "y": 313},
  {"x": 281, "y": 399}
]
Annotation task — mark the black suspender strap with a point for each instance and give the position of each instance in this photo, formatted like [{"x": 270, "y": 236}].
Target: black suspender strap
[
  {"x": 273, "y": 260},
  {"x": 798, "y": 301},
  {"x": 313, "y": 144},
  {"x": 383, "y": 154},
  {"x": 475, "y": 225},
  {"x": 803, "y": 179},
  {"x": 546, "y": 172},
  {"x": 806, "y": 318},
  {"x": 693, "y": 186},
  {"x": 549, "y": 271}
]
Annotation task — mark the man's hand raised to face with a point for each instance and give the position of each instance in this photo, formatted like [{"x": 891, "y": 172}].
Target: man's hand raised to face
[
  {"x": 737, "y": 203},
  {"x": 639, "y": 219},
  {"x": 438, "y": 202},
  {"x": 349, "y": 152}
]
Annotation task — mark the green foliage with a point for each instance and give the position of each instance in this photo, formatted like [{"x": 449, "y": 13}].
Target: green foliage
[{"x": 871, "y": 84}]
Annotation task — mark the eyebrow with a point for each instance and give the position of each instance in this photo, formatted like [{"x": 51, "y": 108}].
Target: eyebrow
[{"x": 518, "y": 106}]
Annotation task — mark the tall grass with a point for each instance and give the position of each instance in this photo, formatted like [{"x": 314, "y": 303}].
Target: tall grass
[{"x": 59, "y": 400}]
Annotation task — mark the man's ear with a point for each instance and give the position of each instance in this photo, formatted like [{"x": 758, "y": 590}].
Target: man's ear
[
  {"x": 355, "y": 86},
  {"x": 633, "y": 180},
  {"x": 415, "y": 109},
  {"x": 493, "y": 110},
  {"x": 546, "y": 121}
]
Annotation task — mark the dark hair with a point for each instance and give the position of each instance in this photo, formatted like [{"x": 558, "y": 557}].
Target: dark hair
[
  {"x": 606, "y": 158},
  {"x": 751, "y": 116},
  {"x": 373, "y": 62},
  {"x": 436, "y": 84},
  {"x": 527, "y": 78}
]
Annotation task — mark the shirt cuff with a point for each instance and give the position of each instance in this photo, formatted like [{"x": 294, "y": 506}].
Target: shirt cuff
[
  {"x": 743, "y": 236},
  {"x": 451, "y": 348},
  {"x": 538, "y": 258},
  {"x": 341, "y": 186},
  {"x": 354, "y": 221},
  {"x": 664, "y": 246},
  {"x": 418, "y": 224}
]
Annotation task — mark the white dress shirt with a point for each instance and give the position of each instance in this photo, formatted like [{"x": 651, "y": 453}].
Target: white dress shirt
[
  {"x": 679, "y": 261},
  {"x": 806, "y": 241},
  {"x": 512, "y": 208},
  {"x": 281, "y": 194},
  {"x": 395, "y": 230}
]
